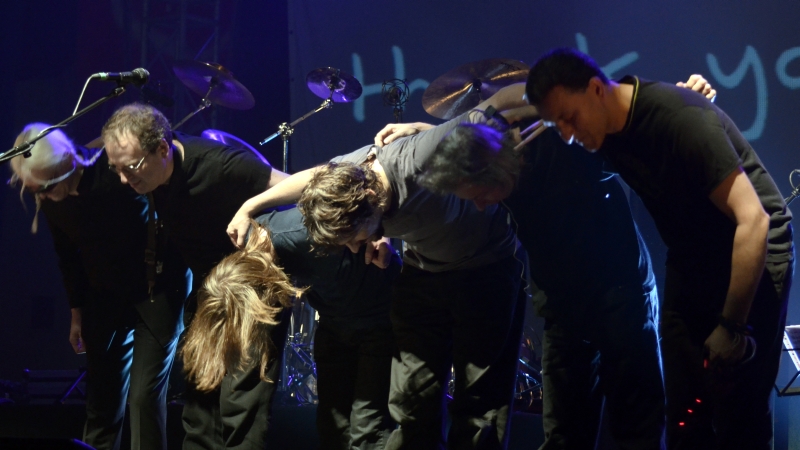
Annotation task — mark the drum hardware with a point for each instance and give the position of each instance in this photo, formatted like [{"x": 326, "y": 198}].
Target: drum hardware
[
  {"x": 298, "y": 379},
  {"x": 528, "y": 388},
  {"x": 395, "y": 94},
  {"x": 215, "y": 83},
  {"x": 332, "y": 85},
  {"x": 795, "y": 189}
]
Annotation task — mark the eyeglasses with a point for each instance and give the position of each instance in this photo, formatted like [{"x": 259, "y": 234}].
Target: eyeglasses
[{"x": 129, "y": 167}]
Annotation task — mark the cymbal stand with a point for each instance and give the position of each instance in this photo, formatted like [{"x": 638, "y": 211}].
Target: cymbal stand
[
  {"x": 285, "y": 130},
  {"x": 204, "y": 103},
  {"x": 795, "y": 189},
  {"x": 25, "y": 147}
]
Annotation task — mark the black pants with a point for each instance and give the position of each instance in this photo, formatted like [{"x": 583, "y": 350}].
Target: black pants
[
  {"x": 131, "y": 366},
  {"x": 470, "y": 320},
  {"x": 353, "y": 370},
  {"x": 706, "y": 410},
  {"x": 236, "y": 414},
  {"x": 608, "y": 346}
]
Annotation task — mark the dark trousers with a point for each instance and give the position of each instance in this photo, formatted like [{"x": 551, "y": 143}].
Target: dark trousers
[
  {"x": 713, "y": 410},
  {"x": 607, "y": 347},
  {"x": 131, "y": 366},
  {"x": 236, "y": 414},
  {"x": 470, "y": 320},
  {"x": 353, "y": 370}
]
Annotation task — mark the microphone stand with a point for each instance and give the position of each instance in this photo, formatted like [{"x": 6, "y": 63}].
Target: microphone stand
[
  {"x": 795, "y": 193},
  {"x": 285, "y": 130},
  {"x": 25, "y": 147}
]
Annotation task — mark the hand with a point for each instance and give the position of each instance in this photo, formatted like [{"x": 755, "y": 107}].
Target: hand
[
  {"x": 379, "y": 253},
  {"x": 699, "y": 84},
  {"x": 237, "y": 229},
  {"x": 75, "y": 337},
  {"x": 723, "y": 348},
  {"x": 394, "y": 131}
]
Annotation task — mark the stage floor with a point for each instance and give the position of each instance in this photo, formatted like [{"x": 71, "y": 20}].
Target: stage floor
[{"x": 292, "y": 427}]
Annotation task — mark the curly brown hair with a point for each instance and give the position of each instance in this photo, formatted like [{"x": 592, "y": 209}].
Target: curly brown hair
[
  {"x": 239, "y": 302},
  {"x": 144, "y": 122},
  {"x": 339, "y": 200}
]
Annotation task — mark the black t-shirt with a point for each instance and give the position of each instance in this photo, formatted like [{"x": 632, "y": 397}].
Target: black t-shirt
[
  {"x": 342, "y": 287},
  {"x": 675, "y": 149},
  {"x": 207, "y": 187},
  {"x": 574, "y": 220}
]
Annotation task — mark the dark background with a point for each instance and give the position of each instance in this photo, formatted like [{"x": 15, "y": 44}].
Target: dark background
[{"x": 749, "y": 50}]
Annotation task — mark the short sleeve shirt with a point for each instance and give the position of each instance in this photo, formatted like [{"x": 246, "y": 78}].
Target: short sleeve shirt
[
  {"x": 207, "y": 187},
  {"x": 675, "y": 149},
  {"x": 441, "y": 232}
]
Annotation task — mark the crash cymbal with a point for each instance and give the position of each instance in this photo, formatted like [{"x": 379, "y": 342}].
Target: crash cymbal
[
  {"x": 215, "y": 83},
  {"x": 322, "y": 81},
  {"x": 462, "y": 88}
]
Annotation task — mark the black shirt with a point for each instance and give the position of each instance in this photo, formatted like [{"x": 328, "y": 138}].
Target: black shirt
[
  {"x": 675, "y": 149},
  {"x": 207, "y": 187},
  {"x": 342, "y": 287},
  {"x": 574, "y": 220},
  {"x": 100, "y": 237}
]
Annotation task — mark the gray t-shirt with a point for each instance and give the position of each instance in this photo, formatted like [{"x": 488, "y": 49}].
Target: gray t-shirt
[{"x": 441, "y": 232}]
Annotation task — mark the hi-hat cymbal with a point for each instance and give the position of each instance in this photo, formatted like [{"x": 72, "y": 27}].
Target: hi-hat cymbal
[
  {"x": 464, "y": 87},
  {"x": 327, "y": 80},
  {"x": 214, "y": 82}
]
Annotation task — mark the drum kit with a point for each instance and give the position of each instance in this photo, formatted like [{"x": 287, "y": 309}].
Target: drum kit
[{"x": 453, "y": 93}]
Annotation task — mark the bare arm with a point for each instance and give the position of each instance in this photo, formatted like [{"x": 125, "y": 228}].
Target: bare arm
[
  {"x": 737, "y": 198},
  {"x": 282, "y": 193},
  {"x": 276, "y": 177},
  {"x": 509, "y": 97}
]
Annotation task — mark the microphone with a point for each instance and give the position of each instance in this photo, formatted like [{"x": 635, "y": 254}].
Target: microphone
[
  {"x": 137, "y": 76},
  {"x": 393, "y": 95}
]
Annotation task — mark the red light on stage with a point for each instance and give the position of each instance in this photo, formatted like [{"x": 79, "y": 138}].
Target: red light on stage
[
  {"x": 690, "y": 411},
  {"x": 698, "y": 400},
  {"x": 680, "y": 424}
]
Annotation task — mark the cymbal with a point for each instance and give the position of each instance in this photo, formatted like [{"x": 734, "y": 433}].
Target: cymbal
[
  {"x": 464, "y": 87},
  {"x": 322, "y": 81},
  {"x": 215, "y": 83}
]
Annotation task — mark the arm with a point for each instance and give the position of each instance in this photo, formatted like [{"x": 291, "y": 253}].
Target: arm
[
  {"x": 276, "y": 177},
  {"x": 75, "y": 336},
  {"x": 284, "y": 193},
  {"x": 509, "y": 97},
  {"x": 737, "y": 198}
]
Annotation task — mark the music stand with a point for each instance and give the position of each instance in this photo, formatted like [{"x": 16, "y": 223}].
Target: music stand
[{"x": 791, "y": 343}]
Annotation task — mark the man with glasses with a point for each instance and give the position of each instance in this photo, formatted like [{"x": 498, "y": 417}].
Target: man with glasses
[
  {"x": 197, "y": 185},
  {"x": 129, "y": 335}
]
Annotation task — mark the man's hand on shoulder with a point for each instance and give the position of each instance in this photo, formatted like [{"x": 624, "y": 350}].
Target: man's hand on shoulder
[
  {"x": 394, "y": 131},
  {"x": 699, "y": 84}
]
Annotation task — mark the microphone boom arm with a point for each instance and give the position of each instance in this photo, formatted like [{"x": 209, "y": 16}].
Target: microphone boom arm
[{"x": 25, "y": 147}]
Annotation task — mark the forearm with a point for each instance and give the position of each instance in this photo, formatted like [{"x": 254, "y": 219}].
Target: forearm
[
  {"x": 286, "y": 192},
  {"x": 747, "y": 265},
  {"x": 509, "y": 97}
]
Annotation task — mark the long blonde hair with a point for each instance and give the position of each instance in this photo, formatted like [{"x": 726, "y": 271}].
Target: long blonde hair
[{"x": 239, "y": 302}]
